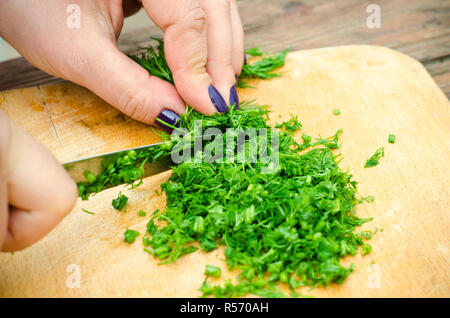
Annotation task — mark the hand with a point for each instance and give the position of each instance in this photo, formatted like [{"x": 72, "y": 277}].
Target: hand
[
  {"x": 35, "y": 190},
  {"x": 203, "y": 45}
]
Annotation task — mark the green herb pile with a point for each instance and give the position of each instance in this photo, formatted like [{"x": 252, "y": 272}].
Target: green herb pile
[{"x": 290, "y": 226}]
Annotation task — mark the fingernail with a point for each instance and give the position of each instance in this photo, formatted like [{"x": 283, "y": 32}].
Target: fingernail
[
  {"x": 217, "y": 99},
  {"x": 236, "y": 76},
  {"x": 245, "y": 59},
  {"x": 170, "y": 117},
  {"x": 234, "y": 99}
]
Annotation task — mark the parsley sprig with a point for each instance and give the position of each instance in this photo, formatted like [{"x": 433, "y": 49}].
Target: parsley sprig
[
  {"x": 120, "y": 203},
  {"x": 264, "y": 67},
  {"x": 374, "y": 160},
  {"x": 129, "y": 236}
]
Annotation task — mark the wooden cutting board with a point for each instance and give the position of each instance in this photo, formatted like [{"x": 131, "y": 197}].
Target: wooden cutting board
[{"x": 378, "y": 92}]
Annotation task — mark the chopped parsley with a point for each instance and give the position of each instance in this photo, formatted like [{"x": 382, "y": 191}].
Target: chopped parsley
[
  {"x": 262, "y": 68},
  {"x": 374, "y": 160},
  {"x": 120, "y": 202},
  {"x": 212, "y": 271},
  {"x": 292, "y": 125},
  {"x": 256, "y": 51},
  {"x": 89, "y": 176},
  {"x": 290, "y": 226},
  {"x": 391, "y": 138},
  {"x": 129, "y": 236}
]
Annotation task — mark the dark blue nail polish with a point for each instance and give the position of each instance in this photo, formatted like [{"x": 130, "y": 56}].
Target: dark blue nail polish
[
  {"x": 234, "y": 99},
  {"x": 169, "y": 117},
  {"x": 245, "y": 59},
  {"x": 217, "y": 99}
]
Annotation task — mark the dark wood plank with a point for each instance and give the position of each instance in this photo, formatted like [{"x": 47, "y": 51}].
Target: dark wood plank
[
  {"x": 419, "y": 28},
  {"x": 18, "y": 73}
]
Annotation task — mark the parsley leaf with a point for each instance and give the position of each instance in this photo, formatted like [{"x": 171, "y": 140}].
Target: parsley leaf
[
  {"x": 212, "y": 271},
  {"x": 374, "y": 160},
  {"x": 262, "y": 68},
  {"x": 256, "y": 51},
  {"x": 292, "y": 125},
  {"x": 391, "y": 138},
  {"x": 120, "y": 202},
  {"x": 129, "y": 236}
]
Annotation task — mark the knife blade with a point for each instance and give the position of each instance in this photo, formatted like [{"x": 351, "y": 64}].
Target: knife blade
[{"x": 76, "y": 168}]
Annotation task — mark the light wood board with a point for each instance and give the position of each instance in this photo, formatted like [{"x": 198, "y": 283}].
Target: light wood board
[{"x": 378, "y": 92}]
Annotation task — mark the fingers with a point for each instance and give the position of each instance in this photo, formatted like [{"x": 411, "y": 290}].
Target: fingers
[
  {"x": 184, "y": 26},
  {"x": 203, "y": 76},
  {"x": 129, "y": 87},
  {"x": 39, "y": 191},
  {"x": 220, "y": 45},
  {"x": 238, "y": 38}
]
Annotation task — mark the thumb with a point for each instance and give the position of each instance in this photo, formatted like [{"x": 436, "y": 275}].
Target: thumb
[{"x": 127, "y": 86}]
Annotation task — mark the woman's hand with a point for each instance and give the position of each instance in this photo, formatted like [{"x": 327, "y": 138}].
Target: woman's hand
[
  {"x": 35, "y": 190},
  {"x": 203, "y": 46},
  {"x": 204, "y": 49}
]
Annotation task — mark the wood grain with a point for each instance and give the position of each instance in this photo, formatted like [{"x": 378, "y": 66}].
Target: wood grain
[
  {"x": 418, "y": 28},
  {"x": 378, "y": 91}
]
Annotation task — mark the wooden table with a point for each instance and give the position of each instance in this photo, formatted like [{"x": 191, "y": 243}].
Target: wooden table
[{"x": 418, "y": 28}]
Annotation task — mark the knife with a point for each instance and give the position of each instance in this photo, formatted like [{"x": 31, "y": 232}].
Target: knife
[{"x": 76, "y": 168}]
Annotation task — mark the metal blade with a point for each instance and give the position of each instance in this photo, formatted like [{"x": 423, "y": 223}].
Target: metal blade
[{"x": 76, "y": 168}]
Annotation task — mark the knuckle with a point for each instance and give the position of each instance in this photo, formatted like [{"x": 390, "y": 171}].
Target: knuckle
[
  {"x": 188, "y": 15},
  {"x": 195, "y": 65},
  {"x": 66, "y": 199},
  {"x": 137, "y": 105},
  {"x": 193, "y": 15},
  {"x": 128, "y": 103}
]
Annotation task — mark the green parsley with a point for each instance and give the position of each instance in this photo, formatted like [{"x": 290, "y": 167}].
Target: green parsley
[
  {"x": 294, "y": 224},
  {"x": 125, "y": 169},
  {"x": 262, "y": 68},
  {"x": 256, "y": 51},
  {"x": 292, "y": 125},
  {"x": 129, "y": 236},
  {"x": 154, "y": 61},
  {"x": 391, "y": 138},
  {"x": 89, "y": 176},
  {"x": 142, "y": 213},
  {"x": 212, "y": 271},
  {"x": 336, "y": 112},
  {"x": 374, "y": 160},
  {"x": 366, "y": 249},
  {"x": 120, "y": 202}
]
